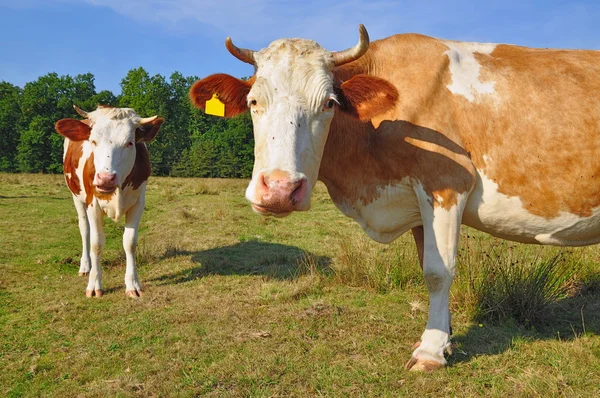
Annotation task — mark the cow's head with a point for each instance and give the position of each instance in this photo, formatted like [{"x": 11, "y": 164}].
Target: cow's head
[
  {"x": 112, "y": 134},
  {"x": 293, "y": 97}
]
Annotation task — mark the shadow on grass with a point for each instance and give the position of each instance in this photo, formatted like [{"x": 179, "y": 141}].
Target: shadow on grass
[
  {"x": 246, "y": 258},
  {"x": 566, "y": 320},
  {"x": 45, "y": 197}
]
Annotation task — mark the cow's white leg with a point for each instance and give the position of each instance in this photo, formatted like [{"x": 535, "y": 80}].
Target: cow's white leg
[
  {"x": 133, "y": 217},
  {"x": 84, "y": 230},
  {"x": 441, "y": 229},
  {"x": 97, "y": 241}
]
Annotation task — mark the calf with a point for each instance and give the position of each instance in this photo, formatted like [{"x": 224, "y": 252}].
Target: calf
[{"x": 106, "y": 166}]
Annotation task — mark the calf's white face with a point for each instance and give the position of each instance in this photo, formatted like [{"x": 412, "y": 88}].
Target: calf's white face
[
  {"x": 113, "y": 145},
  {"x": 112, "y": 134}
]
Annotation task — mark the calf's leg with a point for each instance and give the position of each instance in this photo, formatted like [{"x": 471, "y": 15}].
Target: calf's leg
[
  {"x": 97, "y": 241},
  {"x": 84, "y": 229},
  {"x": 133, "y": 287}
]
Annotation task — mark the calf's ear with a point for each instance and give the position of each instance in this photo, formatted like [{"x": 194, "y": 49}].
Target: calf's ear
[
  {"x": 75, "y": 130},
  {"x": 231, "y": 91},
  {"x": 147, "y": 132},
  {"x": 366, "y": 97}
]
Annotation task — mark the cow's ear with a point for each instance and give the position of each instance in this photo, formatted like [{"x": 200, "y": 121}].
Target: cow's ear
[
  {"x": 147, "y": 132},
  {"x": 231, "y": 91},
  {"x": 366, "y": 97},
  {"x": 75, "y": 130}
]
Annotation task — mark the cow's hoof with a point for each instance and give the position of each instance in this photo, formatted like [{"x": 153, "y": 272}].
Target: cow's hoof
[
  {"x": 422, "y": 365},
  {"x": 94, "y": 293},
  {"x": 133, "y": 293},
  {"x": 84, "y": 273}
]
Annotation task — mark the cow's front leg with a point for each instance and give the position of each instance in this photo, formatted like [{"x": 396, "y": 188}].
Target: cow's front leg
[
  {"x": 441, "y": 229},
  {"x": 97, "y": 241},
  {"x": 130, "y": 237}
]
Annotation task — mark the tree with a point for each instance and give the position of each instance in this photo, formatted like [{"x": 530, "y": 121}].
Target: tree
[
  {"x": 190, "y": 143},
  {"x": 10, "y": 112},
  {"x": 149, "y": 96}
]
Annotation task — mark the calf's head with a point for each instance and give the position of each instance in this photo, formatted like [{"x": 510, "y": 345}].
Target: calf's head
[
  {"x": 112, "y": 134},
  {"x": 292, "y": 98}
]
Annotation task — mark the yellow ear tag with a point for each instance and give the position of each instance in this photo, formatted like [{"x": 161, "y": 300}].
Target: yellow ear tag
[{"x": 214, "y": 106}]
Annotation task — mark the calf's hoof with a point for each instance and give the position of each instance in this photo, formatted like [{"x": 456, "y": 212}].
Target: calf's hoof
[
  {"x": 422, "y": 365},
  {"x": 133, "y": 293},
  {"x": 94, "y": 293}
]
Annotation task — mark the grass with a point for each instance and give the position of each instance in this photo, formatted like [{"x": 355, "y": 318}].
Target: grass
[{"x": 239, "y": 305}]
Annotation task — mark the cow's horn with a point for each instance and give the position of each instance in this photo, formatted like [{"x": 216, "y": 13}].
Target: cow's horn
[
  {"x": 242, "y": 54},
  {"x": 146, "y": 120},
  {"x": 353, "y": 53},
  {"x": 81, "y": 112}
]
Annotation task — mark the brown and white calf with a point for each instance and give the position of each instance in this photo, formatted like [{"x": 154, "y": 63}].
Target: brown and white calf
[
  {"x": 106, "y": 166},
  {"x": 414, "y": 132}
]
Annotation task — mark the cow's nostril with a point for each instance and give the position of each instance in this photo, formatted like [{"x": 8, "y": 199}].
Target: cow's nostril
[{"x": 298, "y": 192}]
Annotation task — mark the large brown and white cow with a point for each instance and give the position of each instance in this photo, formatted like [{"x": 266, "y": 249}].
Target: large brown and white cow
[
  {"x": 414, "y": 132},
  {"x": 106, "y": 166}
]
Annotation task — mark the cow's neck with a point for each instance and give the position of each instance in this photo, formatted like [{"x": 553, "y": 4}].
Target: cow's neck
[{"x": 416, "y": 141}]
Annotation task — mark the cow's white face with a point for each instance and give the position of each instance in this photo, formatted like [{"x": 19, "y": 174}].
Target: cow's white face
[
  {"x": 292, "y": 101},
  {"x": 292, "y": 105},
  {"x": 113, "y": 145}
]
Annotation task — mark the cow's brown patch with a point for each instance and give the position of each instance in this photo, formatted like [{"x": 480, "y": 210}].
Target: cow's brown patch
[
  {"x": 141, "y": 167},
  {"x": 70, "y": 164},
  {"x": 542, "y": 138},
  {"x": 89, "y": 170},
  {"x": 231, "y": 91}
]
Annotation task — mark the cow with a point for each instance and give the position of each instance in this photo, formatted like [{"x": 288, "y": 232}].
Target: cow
[
  {"x": 417, "y": 133},
  {"x": 106, "y": 166}
]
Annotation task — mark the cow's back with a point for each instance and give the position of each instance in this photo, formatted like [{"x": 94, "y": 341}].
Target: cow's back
[{"x": 519, "y": 125}]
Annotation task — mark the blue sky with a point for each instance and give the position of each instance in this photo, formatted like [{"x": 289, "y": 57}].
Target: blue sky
[{"x": 110, "y": 37}]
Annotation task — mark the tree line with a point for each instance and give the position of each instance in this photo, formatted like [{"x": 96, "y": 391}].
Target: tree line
[{"x": 189, "y": 144}]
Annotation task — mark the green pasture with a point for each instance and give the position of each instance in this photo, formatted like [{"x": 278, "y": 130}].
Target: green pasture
[{"x": 237, "y": 305}]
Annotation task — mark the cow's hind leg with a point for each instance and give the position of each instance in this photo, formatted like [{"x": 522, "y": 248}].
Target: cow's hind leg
[
  {"x": 84, "y": 229},
  {"x": 133, "y": 287},
  {"x": 97, "y": 241},
  {"x": 441, "y": 229}
]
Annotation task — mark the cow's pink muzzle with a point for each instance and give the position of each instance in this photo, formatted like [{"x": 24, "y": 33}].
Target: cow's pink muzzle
[
  {"x": 105, "y": 182},
  {"x": 278, "y": 194}
]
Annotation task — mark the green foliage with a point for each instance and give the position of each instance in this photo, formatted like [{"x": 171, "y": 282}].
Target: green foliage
[
  {"x": 190, "y": 143},
  {"x": 10, "y": 112}
]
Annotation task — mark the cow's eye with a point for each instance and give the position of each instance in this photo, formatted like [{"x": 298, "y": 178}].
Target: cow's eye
[
  {"x": 93, "y": 143},
  {"x": 330, "y": 103},
  {"x": 130, "y": 143},
  {"x": 252, "y": 102}
]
